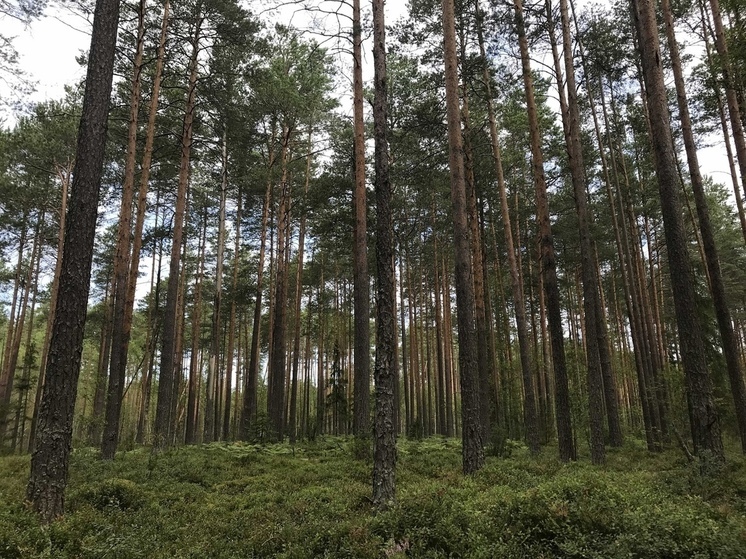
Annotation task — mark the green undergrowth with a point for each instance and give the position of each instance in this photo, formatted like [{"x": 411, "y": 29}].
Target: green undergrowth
[{"x": 221, "y": 501}]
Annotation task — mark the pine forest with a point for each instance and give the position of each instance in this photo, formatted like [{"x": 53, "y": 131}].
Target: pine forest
[{"x": 332, "y": 278}]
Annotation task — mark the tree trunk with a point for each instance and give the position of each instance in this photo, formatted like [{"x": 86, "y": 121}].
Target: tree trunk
[
  {"x": 276, "y": 375},
  {"x": 705, "y": 424},
  {"x": 571, "y": 121},
  {"x": 163, "y": 420},
  {"x": 227, "y": 430},
  {"x": 212, "y": 425},
  {"x": 195, "y": 372},
  {"x": 49, "y": 463},
  {"x": 142, "y": 204},
  {"x": 734, "y": 109},
  {"x": 548, "y": 259},
  {"x": 361, "y": 406},
  {"x": 17, "y": 332},
  {"x": 529, "y": 400},
  {"x": 472, "y": 451},
  {"x": 249, "y": 411},
  {"x": 298, "y": 296},
  {"x": 384, "y": 429},
  {"x": 717, "y": 288},
  {"x": 120, "y": 340}
]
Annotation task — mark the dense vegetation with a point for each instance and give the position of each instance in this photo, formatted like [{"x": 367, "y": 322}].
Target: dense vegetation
[{"x": 313, "y": 500}]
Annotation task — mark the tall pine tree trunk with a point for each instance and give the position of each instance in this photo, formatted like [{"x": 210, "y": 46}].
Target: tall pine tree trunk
[
  {"x": 384, "y": 429},
  {"x": 717, "y": 288},
  {"x": 166, "y": 384},
  {"x": 472, "y": 450},
  {"x": 361, "y": 406},
  {"x": 120, "y": 340},
  {"x": 529, "y": 400},
  {"x": 548, "y": 258},
  {"x": 49, "y": 462},
  {"x": 705, "y": 424}
]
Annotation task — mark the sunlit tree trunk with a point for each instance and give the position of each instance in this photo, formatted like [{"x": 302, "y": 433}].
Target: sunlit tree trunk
[{"x": 120, "y": 339}]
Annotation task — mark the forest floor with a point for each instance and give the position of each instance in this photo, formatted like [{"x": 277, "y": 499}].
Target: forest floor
[{"x": 239, "y": 500}]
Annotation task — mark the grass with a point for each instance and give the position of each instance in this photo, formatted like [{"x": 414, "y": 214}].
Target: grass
[{"x": 221, "y": 501}]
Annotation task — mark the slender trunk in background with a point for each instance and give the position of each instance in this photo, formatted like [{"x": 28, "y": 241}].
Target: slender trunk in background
[
  {"x": 440, "y": 371},
  {"x": 548, "y": 258},
  {"x": 163, "y": 419},
  {"x": 24, "y": 384},
  {"x": 705, "y": 423},
  {"x": 251, "y": 381},
  {"x": 142, "y": 204},
  {"x": 529, "y": 400},
  {"x": 320, "y": 376},
  {"x": 17, "y": 333},
  {"x": 212, "y": 427},
  {"x": 195, "y": 372},
  {"x": 571, "y": 121},
  {"x": 472, "y": 451},
  {"x": 724, "y": 124},
  {"x": 120, "y": 340},
  {"x": 49, "y": 462},
  {"x": 6, "y": 385},
  {"x": 298, "y": 296},
  {"x": 408, "y": 411},
  {"x": 152, "y": 337},
  {"x": 484, "y": 367},
  {"x": 361, "y": 405},
  {"x": 734, "y": 109},
  {"x": 228, "y": 431},
  {"x": 96, "y": 429},
  {"x": 277, "y": 353},
  {"x": 65, "y": 174}
]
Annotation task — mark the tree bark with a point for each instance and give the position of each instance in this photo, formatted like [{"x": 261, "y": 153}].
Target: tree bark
[
  {"x": 384, "y": 429},
  {"x": 195, "y": 372},
  {"x": 529, "y": 399},
  {"x": 361, "y": 405},
  {"x": 49, "y": 462},
  {"x": 731, "y": 96},
  {"x": 276, "y": 375},
  {"x": 249, "y": 412},
  {"x": 120, "y": 340},
  {"x": 717, "y": 288},
  {"x": 705, "y": 423},
  {"x": 472, "y": 450},
  {"x": 163, "y": 420},
  {"x": 548, "y": 258},
  {"x": 571, "y": 120}
]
